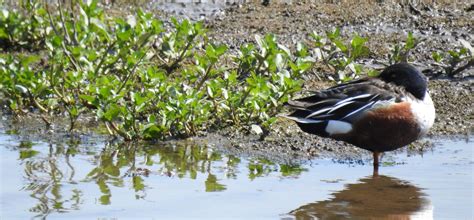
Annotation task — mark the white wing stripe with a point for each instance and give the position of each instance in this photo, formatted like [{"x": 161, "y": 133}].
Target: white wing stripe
[
  {"x": 303, "y": 120},
  {"x": 375, "y": 96},
  {"x": 359, "y": 109},
  {"x": 318, "y": 112},
  {"x": 383, "y": 103},
  {"x": 340, "y": 106},
  {"x": 352, "y": 98}
]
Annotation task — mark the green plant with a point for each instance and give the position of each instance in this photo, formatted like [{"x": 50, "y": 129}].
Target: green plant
[
  {"x": 23, "y": 29},
  {"x": 400, "y": 52},
  {"x": 455, "y": 61},
  {"x": 339, "y": 56},
  {"x": 144, "y": 82}
]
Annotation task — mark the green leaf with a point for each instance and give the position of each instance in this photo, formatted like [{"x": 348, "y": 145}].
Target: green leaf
[
  {"x": 138, "y": 99},
  {"x": 56, "y": 41},
  {"x": 436, "y": 57},
  {"x": 74, "y": 111},
  {"x": 411, "y": 41},
  {"x": 25, "y": 145},
  {"x": 339, "y": 44},
  {"x": 138, "y": 183},
  {"x": 26, "y": 61},
  {"x": 291, "y": 170},
  {"x": 454, "y": 54},
  {"x": 111, "y": 113},
  {"x": 3, "y": 34},
  {"x": 25, "y": 154},
  {"x": 105, "y": 199},
  {"x": 373, "y": 73},
  {"x": 358, "y": 41},
  {"x": 100, "y": 26},
  {"x": 221, "y": 49},
  {"x": 88, "y": 98},
  {"x": 152, "y": 131},
  {"x": 333, "y": 35},
  {"x": 143, "y": 39},
  {"x": 212, "y": 185},
  {"x": 124, "y": 35},
  {"x": 112, "y": 170}
]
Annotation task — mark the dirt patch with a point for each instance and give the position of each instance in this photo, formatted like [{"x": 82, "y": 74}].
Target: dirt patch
[
  {"x": 454, "y": 106},
  {"x": 385, "y": 23}
]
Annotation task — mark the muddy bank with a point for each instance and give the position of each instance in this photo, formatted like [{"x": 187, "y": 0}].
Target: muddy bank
[{"x": 437, "y": 26}]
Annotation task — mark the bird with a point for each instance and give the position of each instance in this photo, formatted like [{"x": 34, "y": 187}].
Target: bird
[{"x": 378, "y": 114}]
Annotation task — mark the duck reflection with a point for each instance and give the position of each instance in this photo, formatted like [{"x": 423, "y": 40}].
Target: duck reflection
[{"x": 375, "y": 197}]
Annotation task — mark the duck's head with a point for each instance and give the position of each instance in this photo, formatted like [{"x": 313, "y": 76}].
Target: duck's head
[{"x": 408, "y": 77}]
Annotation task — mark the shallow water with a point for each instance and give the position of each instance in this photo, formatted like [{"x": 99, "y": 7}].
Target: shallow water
[{"x": 95, "y": 181}]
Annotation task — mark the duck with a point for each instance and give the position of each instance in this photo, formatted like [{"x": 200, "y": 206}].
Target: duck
[{"x": 377, "y": 114}]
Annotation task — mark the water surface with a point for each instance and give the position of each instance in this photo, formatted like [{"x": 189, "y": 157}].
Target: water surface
[{"x": 185, "y": 181}]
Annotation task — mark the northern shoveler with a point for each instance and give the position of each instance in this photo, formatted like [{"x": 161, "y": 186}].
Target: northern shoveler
[{"x": 377, "y": 114}]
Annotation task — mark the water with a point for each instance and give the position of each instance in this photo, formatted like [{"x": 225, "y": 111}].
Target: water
[{"x": 107, "y": 181}]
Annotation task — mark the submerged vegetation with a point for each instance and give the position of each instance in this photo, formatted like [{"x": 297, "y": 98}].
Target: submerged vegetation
[{"x": 143, "y": 79}]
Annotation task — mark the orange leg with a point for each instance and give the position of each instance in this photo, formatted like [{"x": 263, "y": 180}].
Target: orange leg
[{"x": 376, "y": 163}]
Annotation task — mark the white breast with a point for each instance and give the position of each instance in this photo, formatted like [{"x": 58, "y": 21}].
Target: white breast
[{"x": 424, "y": 112}]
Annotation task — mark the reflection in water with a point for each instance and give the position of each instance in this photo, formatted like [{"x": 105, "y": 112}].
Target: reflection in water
[
  {"x": 45, "y": 178},
  {"x": 54, "y": 173},
  {"x": 380, "y": 197}
]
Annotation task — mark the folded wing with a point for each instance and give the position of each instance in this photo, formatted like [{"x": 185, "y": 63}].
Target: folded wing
[{"x": 334, "y": 110}]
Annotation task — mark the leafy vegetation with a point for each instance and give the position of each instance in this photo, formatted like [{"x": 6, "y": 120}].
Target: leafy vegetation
[
  {"x": 25, "y": 29},
  {"x": 400, "y": 52},
  {"x": 141, "y": 80},
  {"x": 457, "y": 60},
  {"x": 339, "y": 56},
  {"x": 452, "y": 62}
]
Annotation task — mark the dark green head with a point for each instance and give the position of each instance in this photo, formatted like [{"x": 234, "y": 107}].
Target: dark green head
[{"x": 407, "y": 76}]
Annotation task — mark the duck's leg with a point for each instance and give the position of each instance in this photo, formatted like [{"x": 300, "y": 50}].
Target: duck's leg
[{"x": 376, "y": 163}]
